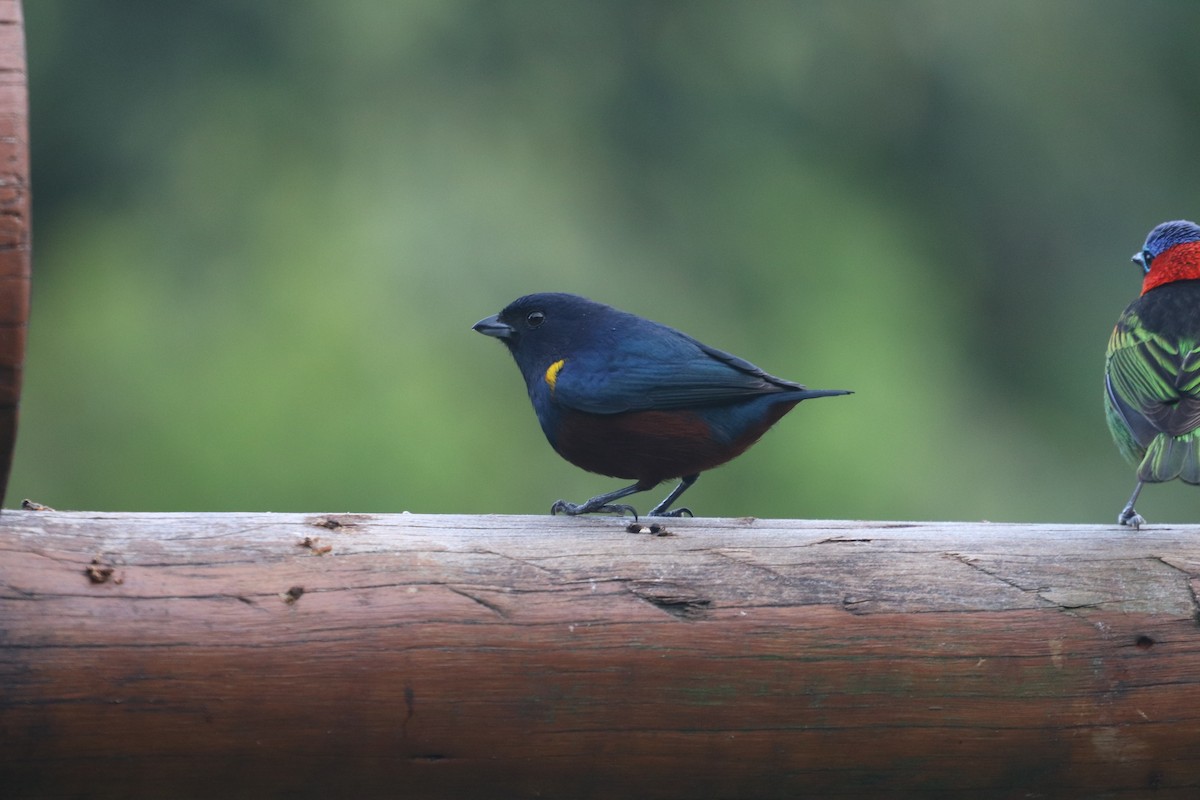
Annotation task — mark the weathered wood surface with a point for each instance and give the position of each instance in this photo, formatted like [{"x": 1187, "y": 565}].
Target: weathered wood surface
[
  {"x": 217, "y": 655},
  {"x": 14, "y": 225}
]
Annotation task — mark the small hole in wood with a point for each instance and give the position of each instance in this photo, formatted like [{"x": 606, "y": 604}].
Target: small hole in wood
[{"x": 1144, "y": 642}]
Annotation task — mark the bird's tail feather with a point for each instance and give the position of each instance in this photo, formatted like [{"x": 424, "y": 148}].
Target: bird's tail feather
[
  {"x": 1170, "y": 457},
  {"x": 808, "y": 394}
]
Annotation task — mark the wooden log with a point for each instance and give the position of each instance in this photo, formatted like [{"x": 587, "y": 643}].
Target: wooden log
[
  {"x": 270, "y": 655},
  {"x": 14, "y": 225}
]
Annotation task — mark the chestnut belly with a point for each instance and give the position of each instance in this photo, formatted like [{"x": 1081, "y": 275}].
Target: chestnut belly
[{"x": 654, "y": 446}]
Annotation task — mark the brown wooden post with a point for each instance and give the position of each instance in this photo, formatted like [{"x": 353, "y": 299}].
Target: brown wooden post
[
  {"x": 14, "y": 225},
  {"x": 284, "y": 655}
]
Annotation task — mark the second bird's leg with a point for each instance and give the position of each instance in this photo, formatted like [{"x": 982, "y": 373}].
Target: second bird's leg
[
  {"x": 660, "y": 510},
  {"x": 603, "y": 502},
  {"x": 1128, "y": 516}
]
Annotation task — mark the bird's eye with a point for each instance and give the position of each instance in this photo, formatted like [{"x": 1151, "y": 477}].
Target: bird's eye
[
  {"x": 535, "y": 319},
  {"x": 1143, "y": 260}
]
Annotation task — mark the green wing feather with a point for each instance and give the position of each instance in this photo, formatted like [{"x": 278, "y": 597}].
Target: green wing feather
[{"x": 1152, "y": 401}]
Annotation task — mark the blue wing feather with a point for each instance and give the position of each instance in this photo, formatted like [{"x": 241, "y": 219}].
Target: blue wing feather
[{"x": 661, "y": 368}]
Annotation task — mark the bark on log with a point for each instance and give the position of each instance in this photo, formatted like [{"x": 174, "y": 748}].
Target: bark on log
[{"x": 271, "y": 655}]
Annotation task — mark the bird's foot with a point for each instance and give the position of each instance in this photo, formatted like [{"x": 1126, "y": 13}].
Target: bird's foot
[
  {"x": 679, "y": 512},
  {"x": 575, "y": 509},
  {"x": 1131, "y": 518}
]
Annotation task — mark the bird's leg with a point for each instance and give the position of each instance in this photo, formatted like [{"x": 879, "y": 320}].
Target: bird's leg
[
  {"x": 1128, "y": 516},
  {"x": 603, "y": 502},
  {"x": 660, "y": 510}
]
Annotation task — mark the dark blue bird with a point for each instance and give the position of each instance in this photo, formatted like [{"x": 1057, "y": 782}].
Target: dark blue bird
[{"x": 623, "y": 396}]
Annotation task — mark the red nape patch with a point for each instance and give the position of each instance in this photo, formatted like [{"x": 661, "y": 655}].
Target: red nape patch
[{"x": 1180, "y": 263}]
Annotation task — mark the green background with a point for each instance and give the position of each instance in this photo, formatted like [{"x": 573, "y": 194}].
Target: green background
[{"x": 263, "y": 231}]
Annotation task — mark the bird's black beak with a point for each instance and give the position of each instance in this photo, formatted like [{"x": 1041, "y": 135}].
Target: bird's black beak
[{"x": 492, "y": 326}]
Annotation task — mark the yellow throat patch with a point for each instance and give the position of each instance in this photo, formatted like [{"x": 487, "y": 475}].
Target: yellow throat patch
[{"x": 552, "y": 373}]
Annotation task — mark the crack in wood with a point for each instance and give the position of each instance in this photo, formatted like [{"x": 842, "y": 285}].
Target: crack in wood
[
  {"x": 1036, "y": 592},
  {"x": 850, "y": 604},
  {"x": 775, "y": 575},
  {"x": 338, "y": 522},
  {"x": 516, "y": 559},
  {"x": 678, "y": 601},
  {"x": 490, "y": 606},
  {"x": 1189, "y": 581}
]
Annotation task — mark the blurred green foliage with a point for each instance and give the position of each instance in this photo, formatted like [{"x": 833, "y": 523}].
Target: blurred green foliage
[{"x": 263, "y": 230}]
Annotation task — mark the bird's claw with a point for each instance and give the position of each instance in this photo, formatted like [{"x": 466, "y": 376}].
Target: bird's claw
[
  {"x": 679, "y": 512},
  {"x": 575, "y": 509},
  {"x": 1131, "y": 518}
]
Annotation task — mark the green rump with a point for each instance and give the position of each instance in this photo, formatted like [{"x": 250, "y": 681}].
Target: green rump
[{"x": 1151, "y": 400}]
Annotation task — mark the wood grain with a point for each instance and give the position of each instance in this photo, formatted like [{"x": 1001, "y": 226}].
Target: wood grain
[{"x": 270, "y": 655}]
